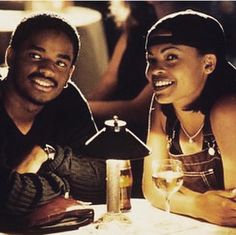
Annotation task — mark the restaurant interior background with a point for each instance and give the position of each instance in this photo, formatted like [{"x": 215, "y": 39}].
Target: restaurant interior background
[
  {"x": 99, "y": 35},
  {"x": 88, "y": 20},
  {"x": 98, "y": 31}
]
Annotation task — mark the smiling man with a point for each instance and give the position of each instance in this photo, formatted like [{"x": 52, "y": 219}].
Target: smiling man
[{"x": 44, "y": 120}]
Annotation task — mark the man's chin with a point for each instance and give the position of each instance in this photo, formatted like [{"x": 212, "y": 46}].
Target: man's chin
[{"x": 38, "y": 100}]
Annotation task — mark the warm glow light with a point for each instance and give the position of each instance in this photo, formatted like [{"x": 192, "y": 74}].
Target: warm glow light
[
  {"x": 15, "y": 17},
  {"x": 58, "y": 4},
  {"x": 119, "y": 9}
]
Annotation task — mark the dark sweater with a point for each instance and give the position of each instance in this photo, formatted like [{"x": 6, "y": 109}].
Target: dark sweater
[{"x": 66, "y": 123}]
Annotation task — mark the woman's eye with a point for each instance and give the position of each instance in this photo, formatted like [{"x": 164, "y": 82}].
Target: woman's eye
[
  {"x": 35, "y": 56},
  {"x": 151, "y": 60},
  {"x": 171, "y": 57}
]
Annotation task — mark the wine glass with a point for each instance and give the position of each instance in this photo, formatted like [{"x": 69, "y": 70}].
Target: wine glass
[{"x": 167, "y": 174}]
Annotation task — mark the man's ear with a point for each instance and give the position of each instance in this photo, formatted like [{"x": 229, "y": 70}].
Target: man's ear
[
  {"x": 9, "y": 56},
  {"x": 210, "y": 63}
]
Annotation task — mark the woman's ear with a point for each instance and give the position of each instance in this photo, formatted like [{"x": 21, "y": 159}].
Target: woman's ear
[
  {"x": 210, "y": 63},
  {"x": 9, "y": 56}
]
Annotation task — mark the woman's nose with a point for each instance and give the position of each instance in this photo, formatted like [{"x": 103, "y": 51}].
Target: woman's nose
[{"x": 158, "y": 71}]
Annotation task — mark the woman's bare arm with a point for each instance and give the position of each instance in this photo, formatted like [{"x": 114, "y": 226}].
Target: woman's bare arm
[
  {"x": 134, "y": 110},
  {"x": 108, "y": 81},
  {"x": 221, "y": 207}
]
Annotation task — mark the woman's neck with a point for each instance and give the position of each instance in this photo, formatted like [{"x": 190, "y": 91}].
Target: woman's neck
[{"x": 190, "y": 120}]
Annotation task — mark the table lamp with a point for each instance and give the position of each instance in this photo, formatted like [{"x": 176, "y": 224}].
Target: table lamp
[{"x": 113, "y": 143}]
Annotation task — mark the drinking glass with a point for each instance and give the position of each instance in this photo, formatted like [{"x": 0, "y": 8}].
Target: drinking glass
[{"x": 167, "y": 174}]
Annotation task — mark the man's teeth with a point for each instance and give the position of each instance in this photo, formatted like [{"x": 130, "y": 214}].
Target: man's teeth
[
  {"x": 43, "y": 82},
  {"x": 162, "y": 83}
]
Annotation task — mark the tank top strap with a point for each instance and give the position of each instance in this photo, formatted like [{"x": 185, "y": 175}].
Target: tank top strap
[
  {"x": 172, "y": 132},
  {"x": 207, "y": 126},
  {"x": 171, "y": 124},
  {"x": 209, "y": 139}
]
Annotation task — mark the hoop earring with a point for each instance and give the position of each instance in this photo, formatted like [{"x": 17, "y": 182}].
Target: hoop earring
[{"x": 66, "y": 85}]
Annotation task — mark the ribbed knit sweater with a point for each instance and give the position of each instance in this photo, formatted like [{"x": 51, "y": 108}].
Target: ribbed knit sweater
[{"x": 66, "y": 123}]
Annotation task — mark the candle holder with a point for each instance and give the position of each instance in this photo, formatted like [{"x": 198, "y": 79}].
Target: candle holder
[{"x": 113, "y": 143}]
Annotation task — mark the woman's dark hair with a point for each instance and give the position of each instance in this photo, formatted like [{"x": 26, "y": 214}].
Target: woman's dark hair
[
  {"x": 221, "y": 82},
  {"x": 206, "y": 34},
  {"x": 39, "y": 22}
]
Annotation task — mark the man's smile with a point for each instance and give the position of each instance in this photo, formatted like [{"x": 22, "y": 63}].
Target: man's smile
[{"x": 43, "y": 84}]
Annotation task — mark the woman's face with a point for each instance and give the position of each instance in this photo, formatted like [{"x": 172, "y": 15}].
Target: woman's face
[{"x": 176, "y": 72}]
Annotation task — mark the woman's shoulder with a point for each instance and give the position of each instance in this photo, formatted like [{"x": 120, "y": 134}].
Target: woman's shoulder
[
  {"x": 224, "y": 109},
  {"x": 224, "y": 103},
  {"x": 157, "y": 117}
]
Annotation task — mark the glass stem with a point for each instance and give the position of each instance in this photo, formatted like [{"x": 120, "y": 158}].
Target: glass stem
[{"x": 167, "y": 203}]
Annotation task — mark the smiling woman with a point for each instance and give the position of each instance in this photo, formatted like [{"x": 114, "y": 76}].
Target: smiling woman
[{"x": 194, "y": 104}]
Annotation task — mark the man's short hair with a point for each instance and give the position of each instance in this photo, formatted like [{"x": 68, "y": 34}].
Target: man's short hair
[{"x": 38, "y": 22}]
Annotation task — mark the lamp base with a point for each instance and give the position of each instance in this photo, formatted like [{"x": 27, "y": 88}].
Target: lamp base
[{"x": 111, "y": 217}]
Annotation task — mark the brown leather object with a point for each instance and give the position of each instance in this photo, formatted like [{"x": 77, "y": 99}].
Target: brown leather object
[{"x": 60, "y": 214}]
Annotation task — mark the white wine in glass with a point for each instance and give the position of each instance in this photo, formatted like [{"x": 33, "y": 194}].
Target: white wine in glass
[{"x": 167, "y": 174}]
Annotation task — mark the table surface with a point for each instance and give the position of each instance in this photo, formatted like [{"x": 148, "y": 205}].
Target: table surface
[{"x": 147, "y": 220}]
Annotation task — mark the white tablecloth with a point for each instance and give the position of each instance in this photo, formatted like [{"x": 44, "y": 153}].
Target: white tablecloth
[{"x": 147, "y": 220}]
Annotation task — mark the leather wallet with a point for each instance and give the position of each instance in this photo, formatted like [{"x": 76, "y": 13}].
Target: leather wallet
[{"x": 58, "y": 215}]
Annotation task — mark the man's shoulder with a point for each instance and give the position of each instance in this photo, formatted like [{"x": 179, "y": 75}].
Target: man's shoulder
[
  {"x": 71, "y": 98},
  {"x": 72, "y": 90},
  {"x": 2, "y": 82},
  {"x": 71, "y": 95}
]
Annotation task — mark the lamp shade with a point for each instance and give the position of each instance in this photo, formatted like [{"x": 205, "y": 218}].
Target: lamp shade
[{"x": 115, "y": 141}]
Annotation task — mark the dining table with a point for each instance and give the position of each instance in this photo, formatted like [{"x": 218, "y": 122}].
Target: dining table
[{"x": 144, "y": 219}]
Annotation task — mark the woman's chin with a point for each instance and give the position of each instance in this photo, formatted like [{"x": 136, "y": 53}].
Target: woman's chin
[{"x": 162, "y": 100}]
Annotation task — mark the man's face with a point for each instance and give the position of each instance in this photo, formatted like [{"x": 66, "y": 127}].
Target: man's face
[{"x": 41, "y": 66}]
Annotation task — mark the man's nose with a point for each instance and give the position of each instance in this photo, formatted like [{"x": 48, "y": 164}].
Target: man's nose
[{"x": 47, "y": 68}]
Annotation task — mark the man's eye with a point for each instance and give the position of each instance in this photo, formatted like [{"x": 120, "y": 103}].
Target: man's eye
[
  {"x": 171, "y": 57},
  {"x": 35, "y": 56},
  {"x": 61, "y": 64}
]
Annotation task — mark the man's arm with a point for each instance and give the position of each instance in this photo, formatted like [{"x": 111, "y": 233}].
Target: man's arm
[
  {"x": 26, "y": 189},
  {"x": 87, "y": 180},
  {"x": 33, "y": 161}
]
